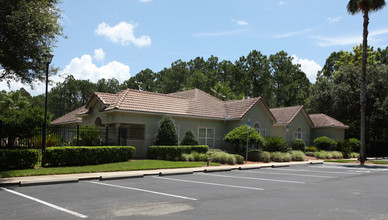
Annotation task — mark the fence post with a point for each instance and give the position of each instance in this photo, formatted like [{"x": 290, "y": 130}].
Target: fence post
[
  {"x": 106, "y": 135},
  {"x": 1, "y": 137},
  {"x": 119, "y": 139},
  {"x": 77, "y": 135}
]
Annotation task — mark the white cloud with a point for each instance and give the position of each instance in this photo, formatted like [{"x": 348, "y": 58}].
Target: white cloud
[
  {"x": 282, "y": 3},
  {"x": 122, "y": 33},
  {"x": 334, "y": 20},
  {"x": 310, "y": 67},
  {"x": 239, "y": 22},
  {"x": 84, "y": 69},
  {"x": 294, "y": 33},
  {"x": 99, "y": 54},
  {"x": 145, "y": 1},
  {"x": 373, "y": 38}
]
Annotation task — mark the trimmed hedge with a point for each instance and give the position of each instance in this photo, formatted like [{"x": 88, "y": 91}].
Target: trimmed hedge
[
  {"x": 174, "y": 152},
  {"x": 78, "y": 156},
  {"x": 11, "y": 159},
  {"x": 325, "y": 143}
]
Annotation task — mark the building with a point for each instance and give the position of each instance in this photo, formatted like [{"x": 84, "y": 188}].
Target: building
[{"x": 137, "y": 113}]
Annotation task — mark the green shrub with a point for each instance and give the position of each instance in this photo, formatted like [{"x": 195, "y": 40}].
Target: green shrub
[
  {"x": 254, "y": 155},
  {"x": 166, "y": 134},
  {"x": 298, "y": 144},
  {"x": 336, "y": 155},
  {"x": 11, "y": 159},
  {"x": 174, "y": 152},
  {"x": 89, "y": 135},
  {"x": 354, "y": 155},
  {"x": 231, "y": 159},
  {"x": 78, "y": 156},
  {"x": 323, "y": 155},
  {"x": 189, "y": 138},
  {"x": 310, "y": 154},
  {"x": 238, "y": 137},
  {"x": 223, "y": 158},
  {"x": 280, "y": 157},
  {"x": 346, "y": 150},
  {"x": 311, "y": 149},
  {"x": 239, "y": 159},
  {"x": 199, "y": 156},
  {"x": 353, "y": 144},
  {"x": 325, "y": 143},
  {"x": 297, "y": 155},
  {"x": 274, "y": 144},
  {"x": 264, "y": 157}
]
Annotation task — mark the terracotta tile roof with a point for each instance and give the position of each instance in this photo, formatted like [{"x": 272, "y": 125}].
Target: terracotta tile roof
[
  {"x": 238, "y": 108},
  {"x": 70, "y": 117},
  {"x": 286, "y": 114},
  {"x": 322, "y": 120},
  {"x": 188, "y": 103}
]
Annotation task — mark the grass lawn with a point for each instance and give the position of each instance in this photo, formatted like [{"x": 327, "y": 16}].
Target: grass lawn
[
  {"x": 121, "y": 166},
  {"x": 378, "y": 162}
]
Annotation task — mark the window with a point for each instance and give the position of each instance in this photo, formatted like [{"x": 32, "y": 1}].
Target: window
[
  {"x": 257, "y": 128},
  {"x": 299, "y": 134},
  {"x": 206, "y": 136}
]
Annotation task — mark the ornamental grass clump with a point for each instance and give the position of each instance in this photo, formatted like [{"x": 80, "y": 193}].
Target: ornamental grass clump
[
  {"x": 297, "y": 155},
  {"x": 280, "y": 157}
]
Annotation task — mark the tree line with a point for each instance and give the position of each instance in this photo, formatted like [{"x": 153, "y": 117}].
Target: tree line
[{"x": 275, "y": 78}]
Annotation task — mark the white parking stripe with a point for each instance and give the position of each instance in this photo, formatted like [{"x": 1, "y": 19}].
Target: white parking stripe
[
  {"x": 253, "y": 178},
  {"x": 143, "y": 190},
  {"x": 289, "y": 174},
  {"x": 45, "y": 203},
  {"x": 207, "y": 183},
  {"x": 315, "y": 171},
  {"x": 349, "y": 168}
]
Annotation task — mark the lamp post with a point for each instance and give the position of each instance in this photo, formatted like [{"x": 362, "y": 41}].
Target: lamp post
[{"x": 47, "y": 57}]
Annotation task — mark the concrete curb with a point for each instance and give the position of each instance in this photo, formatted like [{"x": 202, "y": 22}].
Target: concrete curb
[
  {"x": 169, "y": 173},
  {"x": 75, "y": 178},
  {"x": 47, "y": 182},
  {"x": 217, "y": 169},
  {"x": 122, "y": 176}
]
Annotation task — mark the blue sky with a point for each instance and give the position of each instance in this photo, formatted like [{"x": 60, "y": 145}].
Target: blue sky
[{"x": 118, "y": 39}]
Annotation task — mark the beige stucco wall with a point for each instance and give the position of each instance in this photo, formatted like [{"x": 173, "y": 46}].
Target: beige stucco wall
[
  {"x": 337, "y": 134},
  {"x": 257, "y": 113},
  {"x": 300, "y": 121},
  {"x": 114, "y": 119}
]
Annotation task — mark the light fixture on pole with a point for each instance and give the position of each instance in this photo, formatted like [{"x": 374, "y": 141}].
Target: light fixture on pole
[{"x": 47, "y": 58}]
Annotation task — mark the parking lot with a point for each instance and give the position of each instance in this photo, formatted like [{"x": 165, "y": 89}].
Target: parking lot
[{"x": 295, "y": 192}]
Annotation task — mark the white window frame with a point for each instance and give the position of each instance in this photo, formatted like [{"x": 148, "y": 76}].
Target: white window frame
[
  {"x": 177, "y": 131},
  {"x": 206, "y": 137},
  {"x": 260, "y": 130},
  {"x": 299, "y": 134}
]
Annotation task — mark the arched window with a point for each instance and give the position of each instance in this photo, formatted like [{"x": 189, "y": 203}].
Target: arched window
[
  {"x": 258, "y": 128},
  {"x": 98, "y": 122},
  {"x": 299, "y": 134}
]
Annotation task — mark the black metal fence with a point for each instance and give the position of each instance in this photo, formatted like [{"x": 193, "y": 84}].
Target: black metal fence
[{"x": 21, "y": 136}]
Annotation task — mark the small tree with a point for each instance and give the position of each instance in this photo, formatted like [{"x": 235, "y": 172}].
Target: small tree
[
  {"x": 238, "y": 137},
  {"x": 324, "y": 143},
  {"x": 90, "y": 135},
  {"x": 298, "y": 144},
  {"x": 166, "y": 134},
  {"x": 189, "y": 138}
]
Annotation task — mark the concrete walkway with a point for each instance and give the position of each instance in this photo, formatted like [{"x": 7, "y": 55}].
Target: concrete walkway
[{"x": 73, "y": 178}]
